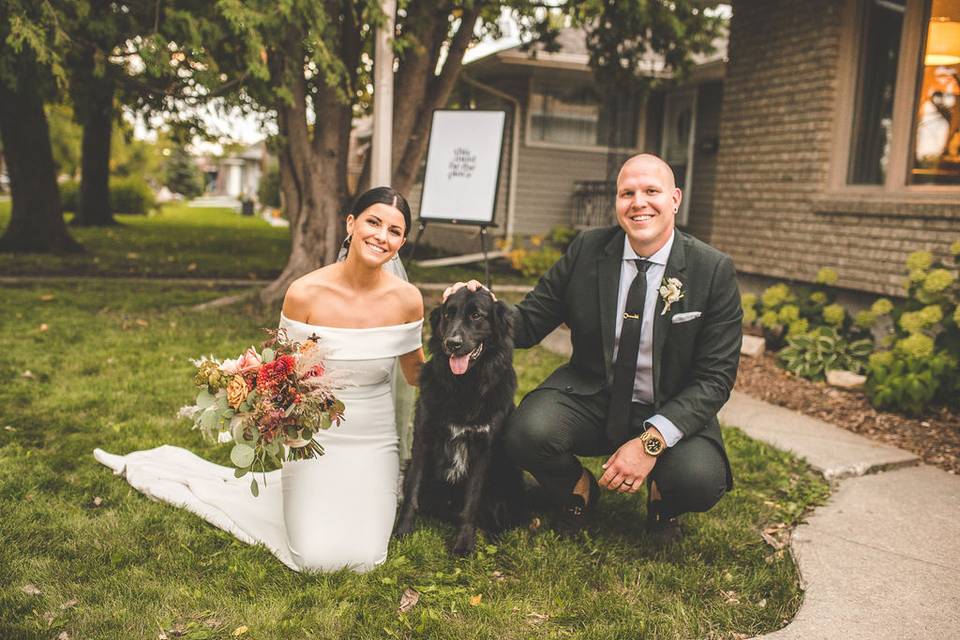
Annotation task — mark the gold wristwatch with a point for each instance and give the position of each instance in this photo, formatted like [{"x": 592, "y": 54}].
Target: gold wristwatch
[{"x": 652, "y": 443}]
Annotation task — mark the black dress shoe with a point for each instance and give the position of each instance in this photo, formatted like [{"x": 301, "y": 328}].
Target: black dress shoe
[
  {"x": 577, "y": 512},
  {"x": 663, "y": 530}
]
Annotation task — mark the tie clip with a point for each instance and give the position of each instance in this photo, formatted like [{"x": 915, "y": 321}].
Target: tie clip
[{"x": 632, "y": 316}]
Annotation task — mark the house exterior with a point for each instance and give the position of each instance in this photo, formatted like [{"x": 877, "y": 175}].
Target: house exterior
[
  {"x": 236, "y": 175},
  {"x": 839, "y": 144},
  {"x": 564, "y": 145}
]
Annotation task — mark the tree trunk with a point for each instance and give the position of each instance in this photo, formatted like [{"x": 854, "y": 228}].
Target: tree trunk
[
  {"x": 94, "y": 209},
  {"x": 36, "y": 222}
]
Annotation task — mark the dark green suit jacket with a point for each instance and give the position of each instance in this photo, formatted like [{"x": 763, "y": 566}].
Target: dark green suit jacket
[{"x": 694, "y": 362}]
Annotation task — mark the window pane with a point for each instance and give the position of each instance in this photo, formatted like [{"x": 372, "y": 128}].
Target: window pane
[
  {"x": 936, "y": 148},
  {"x": 575, "y": 116},
  {"x": 880, "y": 49}
]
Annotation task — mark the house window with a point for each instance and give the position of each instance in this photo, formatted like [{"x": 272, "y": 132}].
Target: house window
[
  {"x": 936, "y": 127},
  {"x": 879, "y": 55},
  {"x": 575, "y": 116},
  {"x": 906, "y": 96}
]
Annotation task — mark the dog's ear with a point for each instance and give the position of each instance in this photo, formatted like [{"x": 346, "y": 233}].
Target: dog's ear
[
  {"x": 435, "y": 317},
  {"x": 503, "y": 319}
]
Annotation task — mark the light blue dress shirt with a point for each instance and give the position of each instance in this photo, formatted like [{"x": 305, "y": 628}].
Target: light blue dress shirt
[{"x": 643, "y": 383}]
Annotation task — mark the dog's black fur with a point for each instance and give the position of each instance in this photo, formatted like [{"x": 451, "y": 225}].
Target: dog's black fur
[{"x": 458, "y": 459}]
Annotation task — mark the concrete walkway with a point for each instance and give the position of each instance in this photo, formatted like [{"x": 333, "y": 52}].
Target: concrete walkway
[{"x": 881, "y": 560}]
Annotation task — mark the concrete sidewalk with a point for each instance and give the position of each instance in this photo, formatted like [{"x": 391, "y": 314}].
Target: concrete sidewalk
[{"x": 881, "y": 560}]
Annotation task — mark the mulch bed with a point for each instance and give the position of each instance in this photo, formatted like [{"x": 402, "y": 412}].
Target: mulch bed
[{"x": 934, "y": 437}]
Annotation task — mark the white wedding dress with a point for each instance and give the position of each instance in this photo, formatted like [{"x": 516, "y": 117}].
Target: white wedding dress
[{"x": 322, "y": 514}]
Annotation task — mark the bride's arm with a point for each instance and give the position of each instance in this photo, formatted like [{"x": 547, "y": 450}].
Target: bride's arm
[{"x": 410, "y": 365}]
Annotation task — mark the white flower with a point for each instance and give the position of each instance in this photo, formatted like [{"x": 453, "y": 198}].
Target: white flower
[
  {"x": 670, "y": 292},
  {"x": 224, "y": 436}
]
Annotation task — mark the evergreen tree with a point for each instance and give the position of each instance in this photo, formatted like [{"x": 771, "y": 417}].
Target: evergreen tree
[{"x": 183, "y": 176}]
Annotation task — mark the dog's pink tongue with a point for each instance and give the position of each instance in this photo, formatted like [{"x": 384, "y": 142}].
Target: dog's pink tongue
[{"x": 459, "y": 364}]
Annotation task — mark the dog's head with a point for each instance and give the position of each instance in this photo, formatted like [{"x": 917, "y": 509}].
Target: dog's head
[{"x": 467, "y": 326}]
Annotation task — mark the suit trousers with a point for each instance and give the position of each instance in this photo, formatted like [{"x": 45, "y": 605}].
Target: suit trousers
[{"x": 551, "y": 428}]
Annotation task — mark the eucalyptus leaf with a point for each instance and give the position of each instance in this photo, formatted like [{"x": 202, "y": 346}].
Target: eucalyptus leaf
[
  {"x": 254, "y": 488},
  {"x": 205, "y": 399},
  {"x": 209, "y": 418},
  {"x": 222, "y": 403},
  {"x": 242, "y": 455},
  {"x": 269, "y": 355},
  {"x": 239, "y": 473}
]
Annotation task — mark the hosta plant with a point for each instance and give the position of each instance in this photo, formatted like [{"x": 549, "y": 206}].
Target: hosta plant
[{"x": 811, "y": 355}]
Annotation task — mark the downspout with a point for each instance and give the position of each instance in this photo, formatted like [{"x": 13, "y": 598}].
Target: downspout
[{"x": 514, "y": 154}]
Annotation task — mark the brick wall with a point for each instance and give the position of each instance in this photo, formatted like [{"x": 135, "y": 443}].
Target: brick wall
[{"x": 771, "y": 208}]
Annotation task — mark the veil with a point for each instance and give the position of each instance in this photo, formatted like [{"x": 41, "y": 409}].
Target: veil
[{"x": 403, "y": 393}]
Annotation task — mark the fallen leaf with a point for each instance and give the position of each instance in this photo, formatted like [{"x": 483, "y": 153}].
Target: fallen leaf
[
  {"x": 142, "y": 322},
  {"x": 30, "y": 589},
  {"x": 49, "y": 617},
  {"x": 47, "y": 297},
  {"x": 28, "y": 375},
  {"x": 63, "y": 636},
  {"x": 171, "y": 259},
  {"x": 770, "y": 540},
  {"x": 44, "y": 327},
  {"x": 8, "y": 428},
  {"x": 730, "y": 596},
  {"x": 97, "y": 501},
  {"x": 72, "y": 602},
  {"x": 536, "y": 618},
  {"x": 239, "y": 631},
  {"x": 192, "y": 266},
  {"x": 534, "y": 524},
  {"x": 762, "y": 603},
  {"x": 408, "y": 600},
  {"x": 475, "y": 600},
  {"x": 133, "y": 255},
  {"x": 499, "y": 576}
]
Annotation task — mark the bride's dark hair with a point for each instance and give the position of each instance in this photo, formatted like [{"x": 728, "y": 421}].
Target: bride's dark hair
[{"x": 383, "y": 195}]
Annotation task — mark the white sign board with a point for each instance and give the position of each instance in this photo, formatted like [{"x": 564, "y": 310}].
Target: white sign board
[{"x": 463, "y": 166}]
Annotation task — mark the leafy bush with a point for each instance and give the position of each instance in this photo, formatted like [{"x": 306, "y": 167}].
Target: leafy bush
[
  {"x": 268, "y": 192},
  {"x": 539, "y": 253},
  {"x": 811, "y": 355},
  {"x": 70, "y": 194},
  {"x": 910, "y": 384},
  {"x": 127, "y": 195},
  {"x": 182, "y": 175},
  {"x": 131, "y": 195}
]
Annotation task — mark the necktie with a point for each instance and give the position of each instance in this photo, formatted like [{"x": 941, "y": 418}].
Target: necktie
[{"x": 625, "y": 368}]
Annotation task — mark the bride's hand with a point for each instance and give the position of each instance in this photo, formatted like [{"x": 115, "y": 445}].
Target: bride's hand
[{"x": 472, "y": 285}]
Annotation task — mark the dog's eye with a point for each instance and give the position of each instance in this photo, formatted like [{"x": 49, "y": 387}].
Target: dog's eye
[{"x": 476, "y": 315}]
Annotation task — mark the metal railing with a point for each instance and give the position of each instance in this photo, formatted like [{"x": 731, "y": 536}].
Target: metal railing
[{"x": 593, "y": 204}]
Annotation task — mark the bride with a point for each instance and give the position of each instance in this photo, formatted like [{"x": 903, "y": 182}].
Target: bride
[{"x": 337, "y": 510}]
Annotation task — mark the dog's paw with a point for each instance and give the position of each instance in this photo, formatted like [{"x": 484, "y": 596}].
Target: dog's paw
[{"x": 465, "y": 543}]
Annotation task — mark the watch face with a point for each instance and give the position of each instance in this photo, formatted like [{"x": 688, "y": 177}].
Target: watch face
[{"x": 653, "y": 446}]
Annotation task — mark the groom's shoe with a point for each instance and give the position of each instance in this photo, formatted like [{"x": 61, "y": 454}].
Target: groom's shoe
[
  {"x": 662, "y": 530},
  {"x": 577, "y": 513}
]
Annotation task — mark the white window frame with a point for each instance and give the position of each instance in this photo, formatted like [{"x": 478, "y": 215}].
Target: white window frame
[
  {"x": 895, "y": 186},
  {"x": 540, "y": 144}
]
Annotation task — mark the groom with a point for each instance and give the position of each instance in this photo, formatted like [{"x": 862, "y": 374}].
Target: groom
[{"x": 655, "y": 320}]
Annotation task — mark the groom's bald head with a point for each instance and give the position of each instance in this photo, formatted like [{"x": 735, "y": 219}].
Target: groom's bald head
[{"x": 652, "y": 163}]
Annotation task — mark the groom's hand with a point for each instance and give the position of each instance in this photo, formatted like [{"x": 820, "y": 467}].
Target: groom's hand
[
  {"x": 627, "y": 468},
  {"x": 473, "y": 285}
]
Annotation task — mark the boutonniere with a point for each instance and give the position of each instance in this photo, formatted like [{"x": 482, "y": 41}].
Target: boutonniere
[{"x": 670, "y": 292}]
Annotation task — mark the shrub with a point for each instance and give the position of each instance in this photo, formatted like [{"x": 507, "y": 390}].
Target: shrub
[
  {"x": 540, "y": 252},
  {"x": 127, "y": 195},
  {"x": 268, "y": 192},
  {"x": 909, "y": 384},
  {"x": 131, "y": 195},
  {"x": 811, "y": 355},
  {"x": 70, "y": 195}
]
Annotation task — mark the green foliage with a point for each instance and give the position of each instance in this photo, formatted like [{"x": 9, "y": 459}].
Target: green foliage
[
  {"x": 811, "y": 355},
  {"x": 905, "y": 382},
  {"x": 66, "y": 137},
  {"x": 127, "y": 195},
  {"x": 131, "y": 195},
  {"x": 182, "y": 175},
  {"x": 538, "y": 253},
  {"x": 268, "y": 193}
]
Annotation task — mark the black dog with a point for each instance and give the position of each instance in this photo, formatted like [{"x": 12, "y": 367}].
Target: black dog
[{"x": 466, "y": 394}]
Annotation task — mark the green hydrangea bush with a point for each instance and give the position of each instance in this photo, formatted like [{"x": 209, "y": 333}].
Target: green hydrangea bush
[
  {"x": 781, "y": 312},
  {"x": 916, "y": 367}
]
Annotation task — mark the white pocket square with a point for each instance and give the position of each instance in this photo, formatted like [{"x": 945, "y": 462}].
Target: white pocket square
[{"x": 685, "y": 317}]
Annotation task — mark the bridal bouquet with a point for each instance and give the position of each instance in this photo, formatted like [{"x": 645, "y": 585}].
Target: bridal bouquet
[{"x": 263, "y": 401}]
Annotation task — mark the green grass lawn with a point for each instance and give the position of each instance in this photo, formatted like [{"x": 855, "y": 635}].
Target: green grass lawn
[
  {"x": 82, "y": 552},
  {"x": 181, "y": 242}
]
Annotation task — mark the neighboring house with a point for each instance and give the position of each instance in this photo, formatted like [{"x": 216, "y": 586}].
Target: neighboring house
[
  {"x": 236, "y": 175},
  {"x": 839, "y": 140},
  {"x": 564, "y": 144}
]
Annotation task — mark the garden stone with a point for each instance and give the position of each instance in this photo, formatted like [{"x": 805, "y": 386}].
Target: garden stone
[
  {"x": 753, "y": 346},
  {"x": 845, "y": 379}
]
